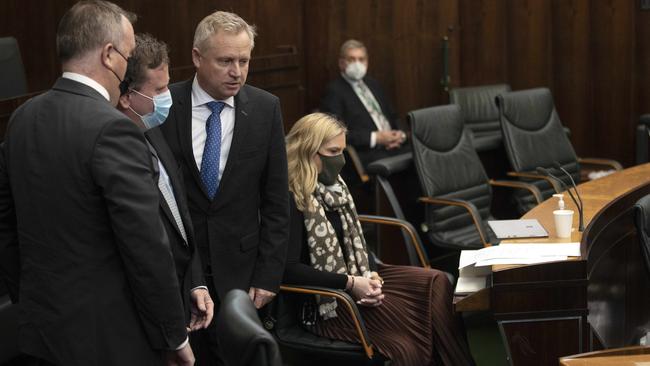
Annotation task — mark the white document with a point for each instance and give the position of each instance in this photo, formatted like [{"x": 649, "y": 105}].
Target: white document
[
  {"x": 468, "y": 285},
  {"x": 520, "y": 253}
]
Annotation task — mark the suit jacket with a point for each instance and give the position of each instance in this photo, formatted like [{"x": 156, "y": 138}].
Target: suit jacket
[
  {"x": 341, "y": 100},
  {"x": 242, "y": 233},
  {"x": 186, "y": 257},
  {"x": 97, "y": 280}
]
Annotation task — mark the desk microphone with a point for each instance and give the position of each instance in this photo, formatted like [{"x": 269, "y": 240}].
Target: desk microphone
[
  {"x": 575, "y": 188},
  {"x": 547, "y": 173}
]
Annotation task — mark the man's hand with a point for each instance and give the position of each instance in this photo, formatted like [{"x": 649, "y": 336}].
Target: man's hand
[
  {"x": 390, "y": 139},
  {"x": 260, "y": 297},
  {"x": 181, "y": 357},
  {"x": 202, "y": 309}
]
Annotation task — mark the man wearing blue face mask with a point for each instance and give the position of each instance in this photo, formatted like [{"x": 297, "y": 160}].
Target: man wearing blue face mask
[
  {"x": 360, "y": 102},
  {"x": 147, "y": 103}
]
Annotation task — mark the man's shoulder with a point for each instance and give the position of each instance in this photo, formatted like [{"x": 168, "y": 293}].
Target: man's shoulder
[
  {"x": 258, "y": 94},
  {"x": 181, "y": 87},
  {"x": 337, "y": 84}
]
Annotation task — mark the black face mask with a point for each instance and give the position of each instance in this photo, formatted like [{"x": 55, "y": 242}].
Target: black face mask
[
  {"x": 130, "y": 66},
  {"x": 331, "y": 167}
]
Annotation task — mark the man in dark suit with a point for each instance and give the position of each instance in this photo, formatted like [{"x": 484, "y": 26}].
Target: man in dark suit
[
  {"x": 147, "y": 104},
  {"x": 97, "y": 279},
  {"x": 229, "y": 140},
  {"x": 360, "y": 102}
]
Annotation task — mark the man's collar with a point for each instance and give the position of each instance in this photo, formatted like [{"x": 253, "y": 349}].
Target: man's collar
[
  {"x": 87, "y": 81},
  {"x": 201, "y": 97}
]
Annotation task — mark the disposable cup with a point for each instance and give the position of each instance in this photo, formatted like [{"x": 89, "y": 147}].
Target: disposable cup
[{"x": 563, "y": 223}]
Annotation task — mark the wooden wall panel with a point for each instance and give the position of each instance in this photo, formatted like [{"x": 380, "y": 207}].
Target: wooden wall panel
[
  {"x": 404, "y": 40},
  {"x": 613, "y": 38},
  {"x": 571, "y": 69},
  {"x": 589, "y": 53},
  {"x": 279, "y": 24}
]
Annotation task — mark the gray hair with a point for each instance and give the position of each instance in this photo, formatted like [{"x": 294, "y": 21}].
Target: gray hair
[
  {"x": 222, "y": 21},
  {"x": 351, "y": 44},
  {"x": 88, "y": 25}
]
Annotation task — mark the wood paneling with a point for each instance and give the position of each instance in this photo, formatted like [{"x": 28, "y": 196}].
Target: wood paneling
[
  {"x": 593, "y": 55},
  {"x": 404, "y": 40}
]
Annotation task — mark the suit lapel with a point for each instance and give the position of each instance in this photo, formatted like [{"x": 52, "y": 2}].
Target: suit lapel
[
  {"x": 239, "y": 134},
  {"x": 183, "y": 115}
]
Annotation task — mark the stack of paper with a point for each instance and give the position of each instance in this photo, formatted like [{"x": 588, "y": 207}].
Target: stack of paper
[{"x": 475, "y": 265}]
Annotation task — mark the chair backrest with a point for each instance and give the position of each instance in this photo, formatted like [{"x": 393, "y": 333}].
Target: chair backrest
[
  {"x": 12, "y": 73},
  {"x": 642, "y": 138},
  {"x": 480, "y": 113},
  {"x": 242, "y": 335},
  {"x": 533, "y": 137},
  {"x": 448, "y": 167},
  {"x": 642, "y": 221}
]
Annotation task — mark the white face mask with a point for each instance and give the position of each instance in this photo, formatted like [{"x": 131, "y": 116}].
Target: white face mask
[{"x": 356, "y": 70}]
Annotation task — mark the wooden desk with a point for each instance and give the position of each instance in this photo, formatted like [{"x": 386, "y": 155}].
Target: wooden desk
[
  {"x": 629, "y": 356},
  {"x": 600, "y": 300}
]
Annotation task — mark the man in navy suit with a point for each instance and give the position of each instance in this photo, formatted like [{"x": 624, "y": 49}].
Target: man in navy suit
[
  {"x": 228, "y": 138},
  {"x": 360, "y": 102}
]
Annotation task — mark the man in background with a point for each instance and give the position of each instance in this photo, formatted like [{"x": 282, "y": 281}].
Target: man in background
[
  {"x": 147, "y": 103},
  {"x": 228, "y": 138},
  {"x": 97, "y": 280},
  {"x": 360, "y": 102}
]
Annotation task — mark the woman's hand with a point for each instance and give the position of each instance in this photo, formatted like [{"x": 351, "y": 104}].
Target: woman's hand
[{"x": 366, "y": 291}]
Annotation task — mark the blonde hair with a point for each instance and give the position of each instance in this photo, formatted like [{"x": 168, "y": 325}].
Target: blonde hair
[
  {"x": 222, "y": 21},
  {"x": 303, "y": 142}
]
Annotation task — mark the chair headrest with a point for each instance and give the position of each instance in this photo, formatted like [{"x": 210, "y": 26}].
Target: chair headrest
[
  {"x": 448, "y": 126},
  {"x": 527, "y": 109},
  {"x": 477, "y": 102}
]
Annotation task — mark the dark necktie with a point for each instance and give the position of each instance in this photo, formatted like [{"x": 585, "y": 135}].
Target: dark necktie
[{"x": 212, "y": 149}]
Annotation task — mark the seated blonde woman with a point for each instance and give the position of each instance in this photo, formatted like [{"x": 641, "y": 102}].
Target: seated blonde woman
[{"x": 407, "y": 310}]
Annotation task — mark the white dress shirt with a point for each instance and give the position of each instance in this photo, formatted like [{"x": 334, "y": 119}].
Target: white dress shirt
[
  {"x": 87, "y": 81},
  {"x": 200, "y": 114}
]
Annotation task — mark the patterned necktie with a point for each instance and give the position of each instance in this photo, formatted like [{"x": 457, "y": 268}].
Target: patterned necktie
[
  {"x": 168, "y": 195},
  {"x": 212, "y": 149},
  {"x": 373, "y": 108}
]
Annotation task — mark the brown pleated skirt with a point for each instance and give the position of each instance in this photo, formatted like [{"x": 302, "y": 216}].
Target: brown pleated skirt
[{"x": 415, "y": 325}]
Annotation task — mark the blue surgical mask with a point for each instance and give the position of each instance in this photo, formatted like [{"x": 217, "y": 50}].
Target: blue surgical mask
[{"x": 161, "y": 105}]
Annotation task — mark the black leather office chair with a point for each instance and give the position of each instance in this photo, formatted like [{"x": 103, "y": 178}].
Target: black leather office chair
[
  {"x": 285, "y": 313},
  {"x": 480, "y": 113},
  {"x": 241, "y": 334},
  {"x": 458, "y": 192},
  {"x": 534, "y": 137},
  {"x": 642, "y": 220},
  {"x": 642, "y": 138},
  {"x": 12, "y": 72}
]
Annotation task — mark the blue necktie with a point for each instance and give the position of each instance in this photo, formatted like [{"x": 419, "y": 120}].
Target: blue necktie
[{"x": 212, "y": 149}]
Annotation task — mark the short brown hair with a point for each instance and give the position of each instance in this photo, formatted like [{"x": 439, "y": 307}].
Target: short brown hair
[
  {"x": 87, "y": 25},
  {"x": 149, "y": 53}
]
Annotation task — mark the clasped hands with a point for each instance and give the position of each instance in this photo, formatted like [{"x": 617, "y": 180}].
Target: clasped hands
[
  {"x": 391, "y": 139},
  {"x": 366, "y": 291}
]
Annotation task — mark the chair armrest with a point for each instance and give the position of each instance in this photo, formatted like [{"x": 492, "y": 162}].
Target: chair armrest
[
  {"x": 356, "y": 163},
  {"x": 519, "y": 185},
  {"x": 553, "y": 183},
  {"x": 602, "y": 162},
  {"x": 476, "y": 218},
  {"x": 343, "y": 298},
  {"x": 391, "y": 165},
  {"x": 404, "y": 225}
]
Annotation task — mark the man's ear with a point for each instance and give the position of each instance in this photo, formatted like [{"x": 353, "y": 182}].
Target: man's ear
[
  {"x": 107, "y": 56},
  {"x": 125, "y": 101},
  {"x": 196, "y": 57}
]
